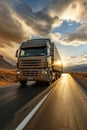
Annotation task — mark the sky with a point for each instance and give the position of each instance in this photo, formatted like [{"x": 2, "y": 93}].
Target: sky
[{"x": 63, "y": 21}]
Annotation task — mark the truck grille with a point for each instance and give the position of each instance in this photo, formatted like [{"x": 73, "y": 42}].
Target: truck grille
[
  {"x": 31, "y": 72},
  {"x": 30, "y": 63}
]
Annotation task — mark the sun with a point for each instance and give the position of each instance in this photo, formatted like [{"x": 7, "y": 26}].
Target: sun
[{"x": 59, "y": 62}]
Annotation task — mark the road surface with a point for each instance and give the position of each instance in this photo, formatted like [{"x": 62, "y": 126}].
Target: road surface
[
  {"x": 64, "y": 108},
  {"x": 13, "y": 98}
]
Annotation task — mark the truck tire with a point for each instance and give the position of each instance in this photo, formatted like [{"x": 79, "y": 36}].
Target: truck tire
[
  {"x": 50, "y": 82},
  {"x": 23, "y": 82},
  {"x": 58, "y": 75}
]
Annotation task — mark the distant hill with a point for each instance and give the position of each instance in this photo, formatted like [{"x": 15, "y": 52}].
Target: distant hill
[
  {"x": 77, "y": 68},
  {"x": 5, "y": 64}
]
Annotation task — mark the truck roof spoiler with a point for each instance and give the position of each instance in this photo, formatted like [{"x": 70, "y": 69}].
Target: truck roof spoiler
[{"x": 35, "y": 43}]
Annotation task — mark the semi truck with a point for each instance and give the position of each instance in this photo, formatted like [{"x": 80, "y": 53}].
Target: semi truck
[{"x": 38, "y": 60}]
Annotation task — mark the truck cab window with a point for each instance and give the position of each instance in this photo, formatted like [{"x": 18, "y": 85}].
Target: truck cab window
[{"x": 38, "y": 51}]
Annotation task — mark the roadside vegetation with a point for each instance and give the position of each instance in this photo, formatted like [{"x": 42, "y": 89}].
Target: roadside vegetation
[
  {"x": 81, "y": 78},
  {"x": 7, "y": 76},
  {"x": 80, "y": 74}
]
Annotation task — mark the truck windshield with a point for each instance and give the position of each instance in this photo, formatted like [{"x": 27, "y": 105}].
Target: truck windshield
[{"x": 25, "y": 52}]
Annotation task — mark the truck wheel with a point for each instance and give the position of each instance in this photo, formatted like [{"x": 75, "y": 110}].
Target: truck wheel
[
  {"x": 23, "y": 82},
  {"x": 58, "y": 75},
  {"x": 50, "y": 82}
]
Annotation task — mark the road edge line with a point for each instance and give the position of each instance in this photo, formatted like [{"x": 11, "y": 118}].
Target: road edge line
[{"x": 32, "y": 113}]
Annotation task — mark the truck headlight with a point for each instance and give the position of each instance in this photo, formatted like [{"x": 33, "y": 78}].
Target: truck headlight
[
  {"x": 44, "y": 72},
  {"x": 18, "y": 72}
]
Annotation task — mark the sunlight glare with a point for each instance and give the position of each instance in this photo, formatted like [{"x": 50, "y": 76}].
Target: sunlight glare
[{"x": 58, "y": 63}]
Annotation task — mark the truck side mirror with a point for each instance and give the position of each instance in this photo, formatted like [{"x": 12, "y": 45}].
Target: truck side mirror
[{"x": 16, "y": 55}]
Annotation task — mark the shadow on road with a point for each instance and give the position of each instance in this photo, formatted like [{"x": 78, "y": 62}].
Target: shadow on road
[{"x": 20, "y": 96}]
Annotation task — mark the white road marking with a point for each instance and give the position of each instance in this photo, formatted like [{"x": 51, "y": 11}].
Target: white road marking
[{"x": 32, "y": 113}]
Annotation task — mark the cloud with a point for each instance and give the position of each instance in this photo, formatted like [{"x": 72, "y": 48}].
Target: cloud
[
  {"x": 57, "y": 7},
  {"x": 76, "y": 38},
  {"x": 69, "y": 9},
  {"x": 9, "y": 51},
  {"x": 55, "y": 37},
  {"x": 76, "y": 11},
  {"x": 76, "y": 60},
  {"x": 20, "y": 22},
  {"x": 10, "y": 28},
  {"x": 40, "y": 22},
  {"x": 11, "y": 31},
  {"x": 83, "y": 9}
]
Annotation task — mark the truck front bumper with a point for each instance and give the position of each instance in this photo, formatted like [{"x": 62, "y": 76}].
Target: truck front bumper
[{"x": 33, "y": 75}]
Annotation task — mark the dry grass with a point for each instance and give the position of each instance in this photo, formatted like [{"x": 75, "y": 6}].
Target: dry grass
[
  {"x": 7, "y": 76},
  {"x": 80, "y": 74}
]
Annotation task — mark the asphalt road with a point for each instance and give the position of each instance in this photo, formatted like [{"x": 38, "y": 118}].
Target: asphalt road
[
  {"x": 14, "y": 97},
  {"x": 65, "y": 107}
]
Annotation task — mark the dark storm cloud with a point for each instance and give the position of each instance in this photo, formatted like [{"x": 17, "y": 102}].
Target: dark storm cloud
[
  {"x": 41, "y": 22},
  {"x": 82, "y": 37},
  {"x": 79, "y": 37},
  {"x": 10, "y": 28}
]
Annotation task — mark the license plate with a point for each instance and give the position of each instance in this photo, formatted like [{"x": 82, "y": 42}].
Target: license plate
[{"x": 30, "y": 78}]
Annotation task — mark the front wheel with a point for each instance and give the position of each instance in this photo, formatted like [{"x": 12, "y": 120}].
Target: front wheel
[{"x": 23, "y": 82}]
